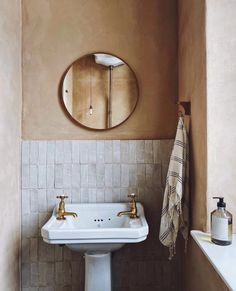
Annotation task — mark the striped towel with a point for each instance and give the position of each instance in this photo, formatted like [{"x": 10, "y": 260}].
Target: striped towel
[{"x": 175, "y": 210}]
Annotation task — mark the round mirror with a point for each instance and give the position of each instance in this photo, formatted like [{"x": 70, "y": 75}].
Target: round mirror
[{"x": 99, "y": 91}]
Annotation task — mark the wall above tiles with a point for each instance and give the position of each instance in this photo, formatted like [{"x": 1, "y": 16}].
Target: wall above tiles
[
  {"x": 143, "y": 33},
  {"x": 94, "y": 171}
]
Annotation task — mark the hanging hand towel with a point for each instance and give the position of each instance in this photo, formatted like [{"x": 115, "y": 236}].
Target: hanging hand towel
[{"x": 175, "y": 210}]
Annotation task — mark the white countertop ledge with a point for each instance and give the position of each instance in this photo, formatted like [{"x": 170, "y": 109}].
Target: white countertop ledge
[{"x": 223, "y": 258}]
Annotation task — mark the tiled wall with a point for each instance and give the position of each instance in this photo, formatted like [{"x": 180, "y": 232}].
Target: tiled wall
[{"x": 93, "y": 171}]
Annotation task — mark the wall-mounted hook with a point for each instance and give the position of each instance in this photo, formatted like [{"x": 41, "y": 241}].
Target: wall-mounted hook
[{"x": 184, "y": 107}]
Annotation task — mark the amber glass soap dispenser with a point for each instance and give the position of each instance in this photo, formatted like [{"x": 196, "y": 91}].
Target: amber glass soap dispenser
[{"x": 221, "y": 224}]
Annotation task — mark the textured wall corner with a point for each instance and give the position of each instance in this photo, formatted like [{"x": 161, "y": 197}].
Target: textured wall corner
[
  {"x": 192, "y": 87},
  {"x": 10, "y": 132},
  {"x": 221, "y": 101}
]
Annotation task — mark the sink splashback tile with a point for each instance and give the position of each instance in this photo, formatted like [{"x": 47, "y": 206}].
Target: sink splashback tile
[{"x": 91, "y": 171}]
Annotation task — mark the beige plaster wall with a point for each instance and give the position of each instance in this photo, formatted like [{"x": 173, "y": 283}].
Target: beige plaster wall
[
  {"x": 10, "y": 104},
  {"x": 198, "y": 273},
  {"x": 192, "y": 87},
  {"x": 57, "y": 32},
  {"x": 221, "y": 102},
  {"x": 213, "y": 157}
]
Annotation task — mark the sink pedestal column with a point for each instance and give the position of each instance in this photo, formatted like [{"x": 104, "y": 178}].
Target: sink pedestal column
[{"x": 98, "y": 272}]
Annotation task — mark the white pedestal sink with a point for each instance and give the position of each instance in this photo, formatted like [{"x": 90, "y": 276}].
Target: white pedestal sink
[{"x": 97, "y": 231}]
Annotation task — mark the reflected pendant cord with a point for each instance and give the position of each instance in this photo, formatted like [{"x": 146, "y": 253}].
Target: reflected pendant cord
[{"x": 91, "y": 98}]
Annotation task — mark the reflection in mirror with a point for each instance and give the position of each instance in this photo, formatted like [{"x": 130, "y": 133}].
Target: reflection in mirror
[{"x": 99, "y": 91}]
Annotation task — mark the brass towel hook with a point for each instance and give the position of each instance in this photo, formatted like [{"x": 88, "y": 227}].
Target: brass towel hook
[{"x": 184, "y": 107}]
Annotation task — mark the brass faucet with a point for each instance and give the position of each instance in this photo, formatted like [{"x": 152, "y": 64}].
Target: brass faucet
[
  {"x": 61, "y": 212},
  {"x": 133, "y": 208}
]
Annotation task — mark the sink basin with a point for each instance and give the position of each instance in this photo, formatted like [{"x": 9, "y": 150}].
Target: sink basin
[
  {"x": 96, "y": 231},
  {"x": 97, "y": 227}
]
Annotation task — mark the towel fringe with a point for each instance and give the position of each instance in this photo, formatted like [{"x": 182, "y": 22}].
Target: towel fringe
[
  {"x": 172, "y": 252},
  {"x": 186, "y": 246}
]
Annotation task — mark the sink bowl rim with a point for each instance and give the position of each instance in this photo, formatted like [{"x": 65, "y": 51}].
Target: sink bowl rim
[{"x": 96, "y": 235}]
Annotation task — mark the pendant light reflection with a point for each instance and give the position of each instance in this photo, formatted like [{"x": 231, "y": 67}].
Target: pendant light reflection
[
  {"x": 91, "y": 97},
  {"x": 110, "y": 62},
  {"x": 90, "y": 110}
]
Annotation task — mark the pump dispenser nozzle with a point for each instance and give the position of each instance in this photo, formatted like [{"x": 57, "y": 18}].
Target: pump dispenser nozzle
[{"x": 221, "y": 202}]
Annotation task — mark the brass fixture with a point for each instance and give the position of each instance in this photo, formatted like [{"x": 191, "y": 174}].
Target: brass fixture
[
  {"x": 61, "y": 212},
  {"x": 133, "y": 208},
  {"x": 184, "y": 107}
]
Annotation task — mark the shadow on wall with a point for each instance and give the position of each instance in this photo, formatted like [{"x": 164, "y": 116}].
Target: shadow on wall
[{"x": 94, "y": 171}]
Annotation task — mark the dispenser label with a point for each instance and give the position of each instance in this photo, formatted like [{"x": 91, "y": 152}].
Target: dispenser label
[{"x": 219, "y": 228}]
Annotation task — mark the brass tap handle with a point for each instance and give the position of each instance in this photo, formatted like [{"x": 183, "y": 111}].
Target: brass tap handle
[
  {"x": 132, "y": 196},
  {"x": 61, "y": 212},
  {"x": 61, "y": 206},
  {"x": 134, "y": 211},
  {"x": 62, "y": 197}
]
